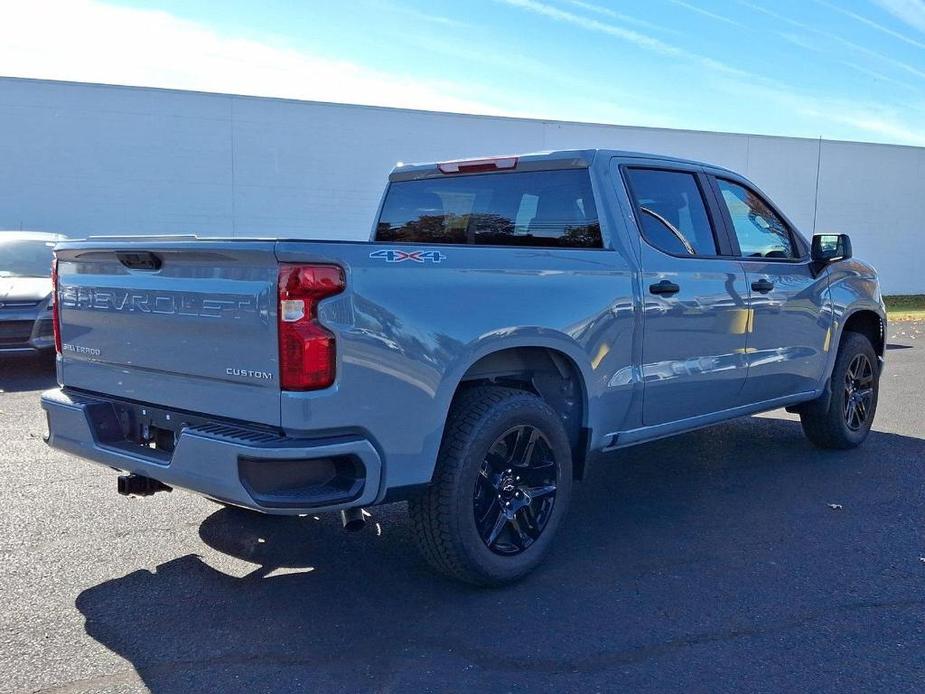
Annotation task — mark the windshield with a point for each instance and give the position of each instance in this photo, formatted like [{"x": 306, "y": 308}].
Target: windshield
[{"x": 25, "y": 258}]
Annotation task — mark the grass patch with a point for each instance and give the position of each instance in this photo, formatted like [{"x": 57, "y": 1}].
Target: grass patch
[{"x": 901, "y": 307}]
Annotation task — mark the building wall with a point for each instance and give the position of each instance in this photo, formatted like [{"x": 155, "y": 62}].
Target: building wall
[{"x": 84, "y": 159}]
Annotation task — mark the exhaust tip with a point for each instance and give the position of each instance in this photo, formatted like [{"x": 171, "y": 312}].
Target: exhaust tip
[{"x": 354, "y": 519}]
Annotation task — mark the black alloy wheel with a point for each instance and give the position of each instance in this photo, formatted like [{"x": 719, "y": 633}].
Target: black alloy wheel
[
  {"x": 501, "y": 486},
  {"x": 516, "y": 490},
  {"x": 841, "y": 418},
  {"x": 859, "y": 390}
]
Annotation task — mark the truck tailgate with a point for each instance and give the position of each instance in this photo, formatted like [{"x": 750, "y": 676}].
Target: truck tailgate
[{"x": 186, "y": 324}]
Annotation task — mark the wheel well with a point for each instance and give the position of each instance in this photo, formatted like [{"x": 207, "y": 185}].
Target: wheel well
[
  {"x": 548, "y": 373},
  {"x": 868, "y": 324}
]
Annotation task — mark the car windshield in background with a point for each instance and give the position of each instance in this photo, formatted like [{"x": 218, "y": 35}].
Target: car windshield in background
[
  {"x": 25, "y": 257},
  {"x": 536, "y": 208}
]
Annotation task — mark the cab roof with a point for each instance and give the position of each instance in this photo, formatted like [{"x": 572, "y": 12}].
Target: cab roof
[{"x": 555, "y": 159}]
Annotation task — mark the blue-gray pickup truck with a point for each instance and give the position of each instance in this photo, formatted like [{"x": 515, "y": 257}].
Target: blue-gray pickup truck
[{"x": 512, "y": 321}]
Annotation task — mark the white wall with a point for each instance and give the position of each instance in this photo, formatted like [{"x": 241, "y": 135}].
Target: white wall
[{"x": 93, "y": 159}]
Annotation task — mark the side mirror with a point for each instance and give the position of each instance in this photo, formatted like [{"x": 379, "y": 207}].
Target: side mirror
[{"x": 827, "y": 248}]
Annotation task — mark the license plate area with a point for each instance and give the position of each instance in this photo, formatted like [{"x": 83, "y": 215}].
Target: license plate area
[
  {"x": 143, "y": 430},
  {"x": 145, "y": 424}
]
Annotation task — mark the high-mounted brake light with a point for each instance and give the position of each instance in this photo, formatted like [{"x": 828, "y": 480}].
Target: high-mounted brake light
[
  {"x": 55, "y": 317},
  {"x": 478, "y": 165},
  {"x": 307, "y": 354}
]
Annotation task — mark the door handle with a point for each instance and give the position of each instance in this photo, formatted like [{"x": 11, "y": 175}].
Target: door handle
[
  {"x": 762, "y": 286},
  {"x": 664, "y": 287}
]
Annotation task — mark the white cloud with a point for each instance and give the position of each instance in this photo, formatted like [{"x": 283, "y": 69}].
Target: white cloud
[
  {"x": 91, "y": 41},
  {"x": 900, "y": 65},
  {"x": 880, "y": 122},
  {"x": 634, "y": 37},
  {"x": 428, "y": 17},
  {"x": 707, "y": 13},
  {"x": 872, "y": 118},
  {"x": 808, "y": 44},
  {"x": 912, "y": 12},
  {"x": 872, "y": 24},
  {"x": 889, "y": 129},
  {"x": 607, "y": 12},
  {"x": 589, "y": 100}
]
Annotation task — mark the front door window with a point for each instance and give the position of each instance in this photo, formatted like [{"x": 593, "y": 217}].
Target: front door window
[{"x": 760, "y": 232}]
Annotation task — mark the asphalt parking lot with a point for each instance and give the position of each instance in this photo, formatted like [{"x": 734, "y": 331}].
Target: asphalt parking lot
[{"x": 734, "y": 558}]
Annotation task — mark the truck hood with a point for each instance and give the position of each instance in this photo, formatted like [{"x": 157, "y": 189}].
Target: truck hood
[{"x": 24, "y": 288}]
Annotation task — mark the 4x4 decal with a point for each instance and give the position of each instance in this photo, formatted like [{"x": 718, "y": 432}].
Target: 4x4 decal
[{"x": 393, "y": 255}]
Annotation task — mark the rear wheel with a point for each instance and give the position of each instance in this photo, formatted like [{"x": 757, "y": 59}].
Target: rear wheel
[
  {"x": 845, "y": 420},
  {"x": 501, "y": 486}
]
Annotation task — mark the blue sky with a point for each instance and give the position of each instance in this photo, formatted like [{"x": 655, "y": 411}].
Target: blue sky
[{"x": 844, "y": 70}]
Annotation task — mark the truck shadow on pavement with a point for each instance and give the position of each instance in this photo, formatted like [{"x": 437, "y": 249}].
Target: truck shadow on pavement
[{"x": 703, "y": 561}]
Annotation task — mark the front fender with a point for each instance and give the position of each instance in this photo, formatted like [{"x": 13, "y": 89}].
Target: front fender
[{"x": 853, "y": 287}]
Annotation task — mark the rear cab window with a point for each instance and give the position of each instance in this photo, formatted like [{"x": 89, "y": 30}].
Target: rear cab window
[{"x": 529, "y": 208}]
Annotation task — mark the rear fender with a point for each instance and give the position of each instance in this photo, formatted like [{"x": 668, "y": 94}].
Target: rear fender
[{"x": 506, "y": 339}]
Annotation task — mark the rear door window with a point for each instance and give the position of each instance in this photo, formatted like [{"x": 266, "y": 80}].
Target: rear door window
[
  {"x": 672, "y": 212},
  {"x": 529, "y": 208}
]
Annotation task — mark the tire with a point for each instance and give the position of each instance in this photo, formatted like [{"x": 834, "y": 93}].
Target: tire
[
  {"x": 486, "y": 443},
  {"x": 845, "y": 420}
]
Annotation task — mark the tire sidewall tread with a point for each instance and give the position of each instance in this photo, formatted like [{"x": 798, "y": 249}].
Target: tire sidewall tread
[
  {"x": 443, "y": 517},
  {"x": 826, "y": 427}
]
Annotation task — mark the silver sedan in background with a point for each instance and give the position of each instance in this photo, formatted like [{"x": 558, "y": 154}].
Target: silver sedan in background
[{"x": 25, "y": 291}]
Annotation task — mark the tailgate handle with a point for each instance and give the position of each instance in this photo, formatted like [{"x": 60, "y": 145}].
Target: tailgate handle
[{"x": 139, "y": 260}]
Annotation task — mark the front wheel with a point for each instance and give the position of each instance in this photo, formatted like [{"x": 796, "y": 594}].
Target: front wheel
[
  {"x": 500, "y": 489},
  {"x": 846, "y": 419}
]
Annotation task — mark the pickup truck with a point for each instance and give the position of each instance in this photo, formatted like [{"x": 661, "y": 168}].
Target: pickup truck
[{"x": 511, "y": 321}]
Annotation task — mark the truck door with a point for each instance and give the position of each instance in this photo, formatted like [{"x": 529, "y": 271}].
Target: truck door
[
  {"x": 694, "y": 297},
  {"x": 789, "y": 328}
]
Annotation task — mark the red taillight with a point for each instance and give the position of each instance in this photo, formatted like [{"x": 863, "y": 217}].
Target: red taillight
[
  {"x": 55, "y": 318},
  {"x": 478, "y": 165},
  {"x": 306, "y": 349}
]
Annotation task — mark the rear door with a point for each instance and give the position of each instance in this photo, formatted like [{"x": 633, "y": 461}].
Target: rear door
[
  {"x": 695, "y": 298},
  {"x": 190, "y": 325},
  {"x": 790, "y": 324}
]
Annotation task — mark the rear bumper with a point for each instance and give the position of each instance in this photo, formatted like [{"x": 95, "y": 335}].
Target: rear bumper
[{"x": 256, "y": 470}]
